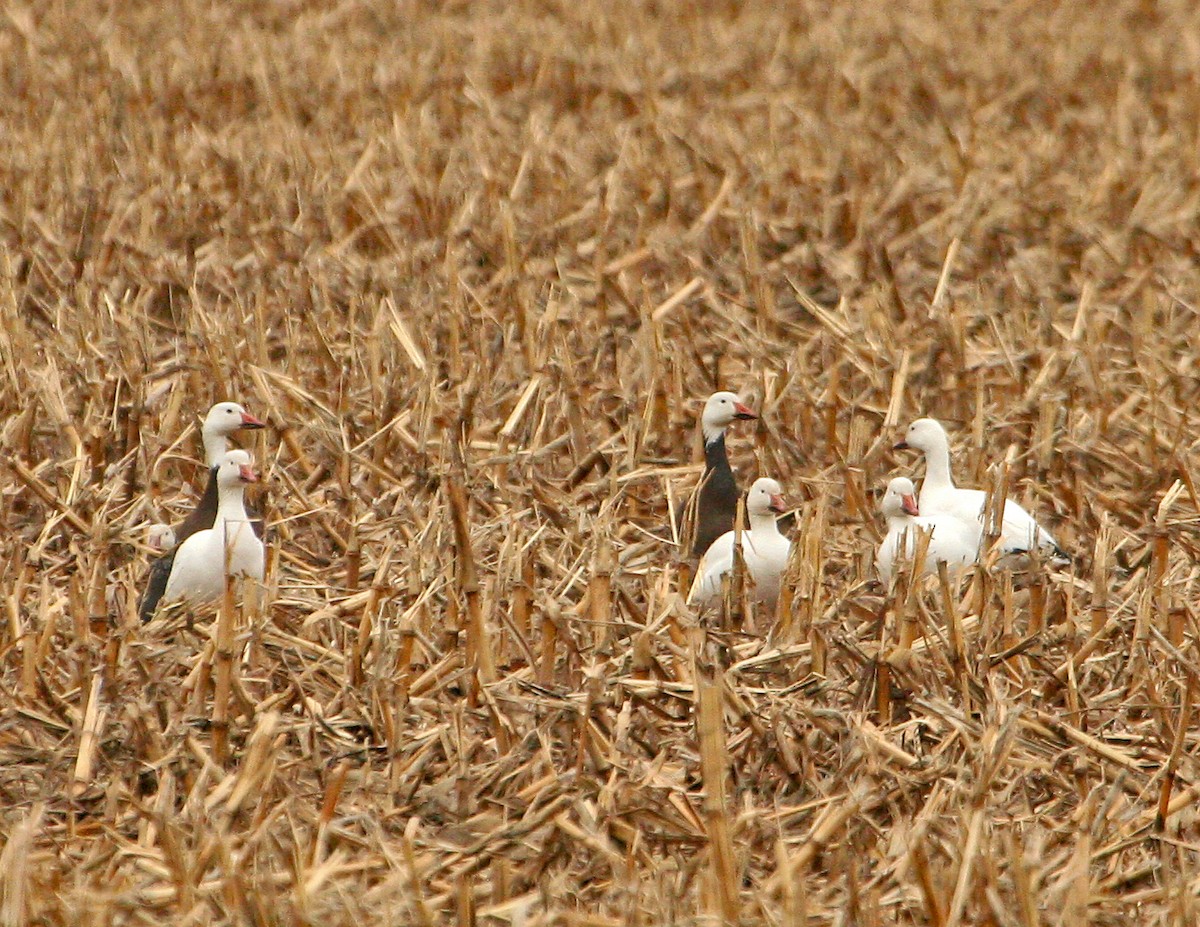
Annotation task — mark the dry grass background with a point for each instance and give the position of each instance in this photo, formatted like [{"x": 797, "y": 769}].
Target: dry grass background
[{"x": 475, "y": 262}]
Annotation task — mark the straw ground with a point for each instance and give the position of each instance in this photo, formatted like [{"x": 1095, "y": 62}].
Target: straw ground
[{"x": 475, "y": 263}]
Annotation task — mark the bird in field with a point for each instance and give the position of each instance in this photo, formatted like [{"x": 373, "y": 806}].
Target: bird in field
[
  {"x": 952, "y": 540},
  {"x": 764, "y": 548},
  {"x": 223, "y": 421},
  {"x": 716, "y": 499},
  {"x": 229, "y": 547},
  {"x": 939, "y": 496}
]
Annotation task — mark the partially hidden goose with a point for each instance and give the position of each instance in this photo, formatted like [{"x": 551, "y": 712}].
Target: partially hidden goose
[
  {"x": 160, "y": 537},
  {"x": 223, "y": 420},
  {"x": 764, "y": 548},
  {"x": 939, "y": 496},
  {"x": 717, "y": 495},
  {"x": 951, "y": 539},
  {"x": 198, "y": 568}
]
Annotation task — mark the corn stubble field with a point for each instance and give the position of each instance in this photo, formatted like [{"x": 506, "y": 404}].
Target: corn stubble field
[{"x": 477, "y": 265}]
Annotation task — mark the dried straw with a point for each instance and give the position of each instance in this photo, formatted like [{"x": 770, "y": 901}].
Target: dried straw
[{"x": 476, "y": 264}]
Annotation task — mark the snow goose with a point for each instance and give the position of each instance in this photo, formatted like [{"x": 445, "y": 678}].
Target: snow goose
[
  {"x": 198, "y": 568},
  {"x": 939, "y": 496},
  {"x": 717, "y": 496},
  {"x": 160, "y": 537},
  {"x": 223, "y": 420},
  {"x": 764, "y": 548},
  {"x": 951, "y": 539}
]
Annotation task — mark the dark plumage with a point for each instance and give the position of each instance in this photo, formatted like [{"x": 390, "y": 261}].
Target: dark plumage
[
  {"x": 223, "y": 420},
  {"x": 156, "y": 584},
  {"x": 716, "y": 499},
  {"x": 716, "y": 507}
]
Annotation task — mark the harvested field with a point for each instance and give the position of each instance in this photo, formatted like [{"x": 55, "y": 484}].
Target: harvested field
[{"x": 478, "y": 265}]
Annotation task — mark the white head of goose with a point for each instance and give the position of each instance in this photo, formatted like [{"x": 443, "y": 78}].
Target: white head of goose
[
  {"x": 223, "y": 420},
  {"x": 720, "y": 411},
  {"x": 160, "y": 537}
]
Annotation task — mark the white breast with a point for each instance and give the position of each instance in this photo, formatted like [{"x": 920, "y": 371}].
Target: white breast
[{"x": 198, "y": 574}]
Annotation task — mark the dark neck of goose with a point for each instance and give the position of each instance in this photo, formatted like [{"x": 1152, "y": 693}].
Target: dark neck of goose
[
  {"x": 718, "y": 475},
  {"x": 208, "y": 501},
  {"x": 715, "y": 457},
  {"x": 717, "y": 502},
  {"x": 204, "y": 514}
]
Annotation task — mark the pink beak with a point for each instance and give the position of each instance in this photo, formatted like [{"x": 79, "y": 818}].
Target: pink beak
[
  {"x": 778, "y": 505},
  {"x": 249, "y": 421},
  {"x": 742, "y": 412},
  {"x": 909, "y": 505},
  {"x": 247, "y": 474}
]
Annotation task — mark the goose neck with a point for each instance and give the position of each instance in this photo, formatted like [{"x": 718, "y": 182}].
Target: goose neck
[
  {"x": 937, "y": 468},
  {"x": 231, "y": 503},
  {"x": 215, "y": 447},
  {"x": 714, "y": 440},
  {"x": 763, "y": 523}
]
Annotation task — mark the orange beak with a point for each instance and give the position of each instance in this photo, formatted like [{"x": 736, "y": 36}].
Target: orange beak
[
  {"x": 909, "y": 505},
  {"x": 742, "y": 412},
  {"x": 778, "y": 505},
  {"x": 247, "y": 474},
  {"x": 249, "y": 421}
]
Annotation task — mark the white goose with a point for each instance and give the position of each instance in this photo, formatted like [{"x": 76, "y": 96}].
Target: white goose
[
  {"x": 764, "y": 548},
  {"x": 939, "y": 496},
  {"x": 951, "y": 540},
  {"x": 199, "y": 566},
  {"x": 160, "y": 537},
  {"x": 222, "y": 421}
]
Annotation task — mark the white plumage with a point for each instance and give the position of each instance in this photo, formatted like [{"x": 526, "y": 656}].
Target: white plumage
[
  {"x": 939, "y": 495},
  {"x": 764, "y": 548},
  {"x": 199, "y": 568},
  {"x": 951, "y": 539}
]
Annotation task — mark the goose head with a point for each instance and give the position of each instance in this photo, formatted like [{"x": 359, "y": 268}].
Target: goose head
[
  {"x": 722, "y": 410},
  {"x": 223, "y": 420},
  {"x": 766, "y": 495},
  {"x": 900, "y": 498},
  {"x": 925, "y": 435},
  {"x": 160, "y": 537},
  {"x": 235, "y": 469}
]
